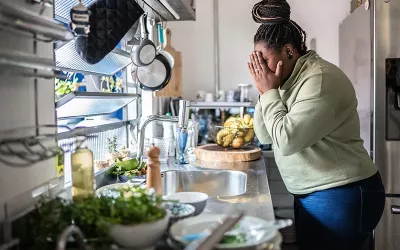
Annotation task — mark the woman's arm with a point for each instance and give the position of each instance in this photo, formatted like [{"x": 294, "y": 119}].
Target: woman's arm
[
  {"x": 259, "y": 126},
  {"x": 310, "y": 119}
]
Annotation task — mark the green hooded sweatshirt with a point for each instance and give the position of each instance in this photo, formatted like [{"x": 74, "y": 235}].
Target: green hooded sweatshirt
[{"x": 313, "y": 123}]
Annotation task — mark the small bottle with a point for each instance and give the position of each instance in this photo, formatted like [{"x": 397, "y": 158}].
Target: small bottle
[
  {"x": 83, "y": 182},
  {"x": 59, "y": 172}
]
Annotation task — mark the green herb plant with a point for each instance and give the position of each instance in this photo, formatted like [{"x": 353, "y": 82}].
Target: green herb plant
[
  {"x": 112, "y": 144},
  {"x": 64, "y": 87},
  {"x": 95, "y": 215}
]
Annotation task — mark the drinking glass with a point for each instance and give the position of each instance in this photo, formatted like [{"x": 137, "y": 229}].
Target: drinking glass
[
  {"x": 193, "y": 138},
  {"x": 163, "y": 144}
]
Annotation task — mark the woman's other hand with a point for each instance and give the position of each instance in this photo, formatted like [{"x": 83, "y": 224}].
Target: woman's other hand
[{"x": 263, "y": 77}]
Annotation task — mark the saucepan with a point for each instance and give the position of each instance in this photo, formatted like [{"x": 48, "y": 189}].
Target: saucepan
[
  {"x": 154, "y": 76},
  {"x": 144, "y": 51}
]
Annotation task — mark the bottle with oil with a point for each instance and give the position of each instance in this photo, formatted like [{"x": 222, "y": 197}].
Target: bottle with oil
[
  {"x": 83, "y": 182},
  {"x": 59, "y": 172}
]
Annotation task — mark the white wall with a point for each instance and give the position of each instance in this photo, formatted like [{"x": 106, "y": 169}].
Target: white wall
[{"x": 319, "y": 18}]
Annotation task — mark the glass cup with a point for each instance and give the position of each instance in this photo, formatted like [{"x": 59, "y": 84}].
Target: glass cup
[
  {"x": 193, "y": 138},
  {"x": 163, "y": 144}
]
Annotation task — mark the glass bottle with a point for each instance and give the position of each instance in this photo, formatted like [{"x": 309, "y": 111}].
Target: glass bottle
[{"x": 83, "y": 182}]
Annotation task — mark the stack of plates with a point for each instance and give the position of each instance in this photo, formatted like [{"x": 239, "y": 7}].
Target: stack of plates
[{"x": 288, "y": 233}]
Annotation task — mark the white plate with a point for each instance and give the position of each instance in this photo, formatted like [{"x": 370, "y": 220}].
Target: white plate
[{"x": 197, "y": 225}]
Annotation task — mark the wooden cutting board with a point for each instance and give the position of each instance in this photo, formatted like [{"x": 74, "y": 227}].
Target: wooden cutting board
[
  {"x": 215, "y": 153},
  {"x": 174, "y": 87}
]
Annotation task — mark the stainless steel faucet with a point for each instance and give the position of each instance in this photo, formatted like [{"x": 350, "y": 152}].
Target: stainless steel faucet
[
  {"x": 69, "y": 231},
  {"x": 182, "y": 120}
]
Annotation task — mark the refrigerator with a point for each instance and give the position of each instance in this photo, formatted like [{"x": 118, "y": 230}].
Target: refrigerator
[{"x": 369, "y": 45}]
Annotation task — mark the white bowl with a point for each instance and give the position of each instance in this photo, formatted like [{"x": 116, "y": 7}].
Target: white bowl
[
  {"x": 141, "y": 236},
  {"x": 196, "y": 199}
]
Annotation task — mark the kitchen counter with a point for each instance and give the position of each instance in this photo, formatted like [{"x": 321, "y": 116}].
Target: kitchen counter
[{"x": 255, "y": 201}]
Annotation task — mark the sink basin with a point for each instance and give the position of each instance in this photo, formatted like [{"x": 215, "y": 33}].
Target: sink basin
[{"x": 212, "y": 182}]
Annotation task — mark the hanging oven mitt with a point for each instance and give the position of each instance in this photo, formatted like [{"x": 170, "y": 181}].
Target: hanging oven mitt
[{"x": 110, "y": 20}]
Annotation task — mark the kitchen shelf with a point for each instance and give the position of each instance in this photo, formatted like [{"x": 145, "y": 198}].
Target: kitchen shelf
[
  {"x": 178, "y": 10},
  {"x": 27, "y": 21},
  {"x": 84, "y": 104},
  {"x": 69, "y": 60},
  {"x": 22, "y": 64},
  {"x": 216, "y": 105},
  {"x": 84, "y": 131}
]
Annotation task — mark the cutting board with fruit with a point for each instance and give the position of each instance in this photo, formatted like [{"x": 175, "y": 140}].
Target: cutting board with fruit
[
  {"x": 232, "y": 141},
  {"x": 216, "y": 153}
]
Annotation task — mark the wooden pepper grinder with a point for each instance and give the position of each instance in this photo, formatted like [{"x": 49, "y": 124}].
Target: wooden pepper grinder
[{"x": 153, "y": 170}]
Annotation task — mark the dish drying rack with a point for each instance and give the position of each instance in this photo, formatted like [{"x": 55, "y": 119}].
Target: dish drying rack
[{"x": 23, "y": 147}]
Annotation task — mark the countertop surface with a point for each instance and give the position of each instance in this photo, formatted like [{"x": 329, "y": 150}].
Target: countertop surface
[{"x": 255, "y": 201}]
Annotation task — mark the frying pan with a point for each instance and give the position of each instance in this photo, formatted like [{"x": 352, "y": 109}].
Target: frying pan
[
  {"x": 155, "y": 76},
  {"x": 144, "y": 53}
]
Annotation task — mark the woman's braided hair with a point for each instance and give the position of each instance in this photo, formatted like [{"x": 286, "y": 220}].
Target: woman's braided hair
[{"x": 276, "y": 28}]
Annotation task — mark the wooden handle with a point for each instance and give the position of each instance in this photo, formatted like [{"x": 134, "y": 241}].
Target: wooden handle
[
  {"x": 153, "y": 170},
  {"x": 168, "y": 39}
]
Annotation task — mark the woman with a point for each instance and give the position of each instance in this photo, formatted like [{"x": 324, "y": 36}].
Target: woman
[{"x": 308, "y": 109}]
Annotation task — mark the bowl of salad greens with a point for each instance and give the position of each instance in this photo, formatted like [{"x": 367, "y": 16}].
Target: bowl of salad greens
[
  {"x": 128, "y": 169},
  {"x": 151, "y": 219},
  {"x": 103, "y": 219}
]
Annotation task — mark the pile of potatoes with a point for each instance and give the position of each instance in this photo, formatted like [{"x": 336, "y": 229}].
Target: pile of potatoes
[{"x": 237, "y": 132}]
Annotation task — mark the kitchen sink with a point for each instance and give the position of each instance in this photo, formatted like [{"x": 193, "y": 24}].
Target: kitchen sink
[{"x": 212, "y": 182}]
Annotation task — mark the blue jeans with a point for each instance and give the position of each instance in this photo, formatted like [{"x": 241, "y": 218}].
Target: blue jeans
[{"x": 340, "y": 218}]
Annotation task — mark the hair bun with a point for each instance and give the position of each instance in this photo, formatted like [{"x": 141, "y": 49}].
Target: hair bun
[{"x": 271, "y": 12}]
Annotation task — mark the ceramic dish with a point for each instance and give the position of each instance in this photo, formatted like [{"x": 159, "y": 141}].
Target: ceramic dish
[
  {"x": 254, "y": 231},
  {"x": 196, "y": 199},
  {"x": 179, "y": 211},
  {"x": 141, "y": 236},
  {"x": 112, "y": 190}
]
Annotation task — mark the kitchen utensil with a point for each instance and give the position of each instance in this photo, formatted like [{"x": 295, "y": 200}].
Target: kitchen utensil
[
  {"x": 257, "y": 232},
  {"x": 367, "y": 4},
  {"x": 244, "y": 92},
  {"x": 230, "y": 97},
  {"x": 201, "y": 96},
  {"x": 179, "y": 211},
  {"x": 279, "y": 224},
  {"x": 155, "y": 76},
  {"x": 193, "y": 137},
  {"x": 153, "y": 180},
  {"x": 112, "y": 190},
  {"x": 144, "y": 53},
  {"x": 209, "y": 97},
  {"x": 110, "y": 21},
  {"x": 174, "y": 87},
  {"x": 141, "y": 236},
  {"x": 221, "y": 96},
  {"x": 215, "y": 153},
  {"x": 162, "y": 51},
  {"x": 163, "y": 144},
  {"x": 196, "y": 199}
]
